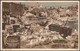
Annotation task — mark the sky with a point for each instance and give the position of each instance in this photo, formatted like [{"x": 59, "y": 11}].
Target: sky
[
  {"x": 55, "y": 4},
  {"x": 39, "y": 0}
]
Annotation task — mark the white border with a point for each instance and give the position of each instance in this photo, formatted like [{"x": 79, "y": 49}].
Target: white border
[{"x": 40, "y": 49}]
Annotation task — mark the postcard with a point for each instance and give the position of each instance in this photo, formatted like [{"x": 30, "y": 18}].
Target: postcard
[{"x": 39, "y": 25}]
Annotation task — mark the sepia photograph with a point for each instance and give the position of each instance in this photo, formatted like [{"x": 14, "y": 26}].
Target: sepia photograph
[{"x": 40, "y": 25}]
